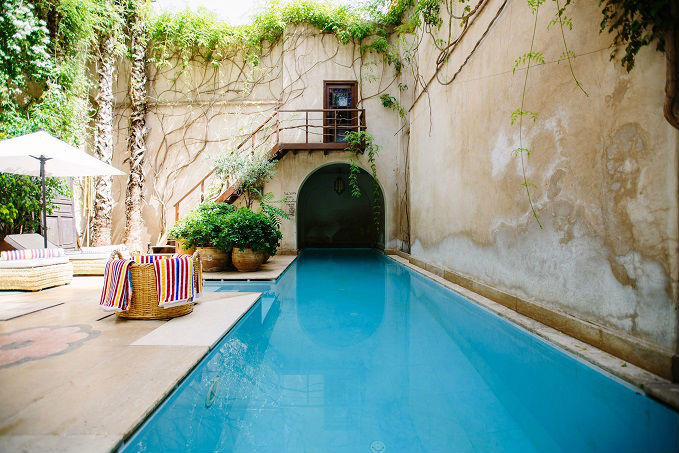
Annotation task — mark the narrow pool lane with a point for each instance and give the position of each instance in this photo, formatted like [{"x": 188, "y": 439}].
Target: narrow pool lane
[{"x": 350, "y": 351}]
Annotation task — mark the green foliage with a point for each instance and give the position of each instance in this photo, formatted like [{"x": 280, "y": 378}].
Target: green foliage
[
  {"x": 636, "y": 24},
  {"x": 249, "y": 171},
  {"x": 24, "y": 52},
  {"x": 221, "y": 225},
  {"x": 390, "y": 102},
  {"x": 45, "y": 49},
  {"x": 21, "y": 201},
  {"x": 204, "y": 226},
  {"x": 528, "y": 57},
  {"x": 516, "y": 114},
  {"x": 430, "y": 12},
  {"x": 362, "y": 142},
  {"x": 202, "y": 36},
  {"x": 249, "y": 229},
  {"x": 266, "y": 204}
]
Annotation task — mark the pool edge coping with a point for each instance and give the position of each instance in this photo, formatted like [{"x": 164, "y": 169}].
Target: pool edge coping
[
  {"x": 120, "y": 444},
  {"x": 649, "y": 384}
]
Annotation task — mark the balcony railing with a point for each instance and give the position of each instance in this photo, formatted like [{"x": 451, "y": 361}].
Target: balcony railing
[{"x": 290, "y": 130}]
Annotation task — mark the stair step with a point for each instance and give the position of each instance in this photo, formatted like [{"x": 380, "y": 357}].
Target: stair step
[{"x": 158, "y": 249}]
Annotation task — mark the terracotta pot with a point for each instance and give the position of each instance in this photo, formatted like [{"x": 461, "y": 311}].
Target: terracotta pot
[
  {"x": 266, "y": 257},
  {"x": 247, "y": 260},
  {"x": 212, "y": 259},
  {"x": 182, "y": 251}
]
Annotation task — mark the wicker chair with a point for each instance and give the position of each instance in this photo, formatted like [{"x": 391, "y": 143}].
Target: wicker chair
[
  {"x": 35, "y": 274},
  {"x": 93, "y": 261},
  {"x": 144, "y": 302}
]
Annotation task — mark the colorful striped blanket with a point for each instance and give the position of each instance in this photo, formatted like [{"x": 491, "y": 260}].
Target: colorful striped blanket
[
  {"x": 117, "y": 290},
  {"x": 174, "y": 281},
  {"x": 30, "y": 254}
]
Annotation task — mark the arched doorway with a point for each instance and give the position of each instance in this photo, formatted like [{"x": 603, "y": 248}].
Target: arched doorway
[{"x": 328, "y": 215}]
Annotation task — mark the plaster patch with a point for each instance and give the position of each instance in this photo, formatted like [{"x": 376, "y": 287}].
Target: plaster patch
[
  {"x": 502, "y": 153},
  {"x": 574, "y": 276}
]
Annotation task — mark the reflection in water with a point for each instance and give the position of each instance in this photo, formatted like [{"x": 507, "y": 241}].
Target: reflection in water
[{"x": 349, "y": 351}]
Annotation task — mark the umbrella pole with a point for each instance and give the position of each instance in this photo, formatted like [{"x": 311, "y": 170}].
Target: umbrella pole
[{"x": 43, "y": 159}]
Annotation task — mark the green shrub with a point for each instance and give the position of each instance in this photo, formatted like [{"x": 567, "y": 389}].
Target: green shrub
[
  {"x": 21, "y": 201},
  {"x": 204, "y": 226},
  {"x": 248, "y": 229}
]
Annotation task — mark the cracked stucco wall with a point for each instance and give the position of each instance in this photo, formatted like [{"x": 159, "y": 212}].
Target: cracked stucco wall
[{"x": 604, "y": 169}]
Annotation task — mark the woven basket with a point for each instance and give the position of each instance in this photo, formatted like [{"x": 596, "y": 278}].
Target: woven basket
[
  {"x": 144, "y": 302},
  {"x": 36, "y": 278}
]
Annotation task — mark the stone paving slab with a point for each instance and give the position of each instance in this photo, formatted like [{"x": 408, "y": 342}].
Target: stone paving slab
[
  {"x": 71, "y": 381},
  {"x": 206, "y": 325},
  {"x": 10, "y": 310},
  {"x": 270, "y": 270}
]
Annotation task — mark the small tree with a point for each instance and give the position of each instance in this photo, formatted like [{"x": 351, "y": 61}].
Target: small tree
[{"x": 249, "y": 172}]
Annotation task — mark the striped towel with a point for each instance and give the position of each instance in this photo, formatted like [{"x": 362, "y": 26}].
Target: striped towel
[
  {"x": 147, "y": 259},
  {"x": 197, "y": 277},
  {"x": 117, "y": 290},
  {"x": 30, "y": 254},
  {"x": 174, "y": 281}
]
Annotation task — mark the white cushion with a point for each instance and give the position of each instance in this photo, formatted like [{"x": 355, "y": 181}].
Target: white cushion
[
  {"x": 104, "y": 248},
  {"x": 37, "y": 262},
  {"x": 89, "y": 256}
]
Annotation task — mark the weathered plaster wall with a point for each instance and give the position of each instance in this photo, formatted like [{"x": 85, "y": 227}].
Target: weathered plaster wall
[
  {"x": 604, "y": 169},
  {"x": 196, "y": 114}
]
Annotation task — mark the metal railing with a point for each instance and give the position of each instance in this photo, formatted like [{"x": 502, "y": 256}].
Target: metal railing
[{"x": 293, "y": 129}]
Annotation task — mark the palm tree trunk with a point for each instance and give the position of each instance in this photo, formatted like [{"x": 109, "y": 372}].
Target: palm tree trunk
[
  {"x": 136, "y": 145},
  {"x": 103, "y": 142}
]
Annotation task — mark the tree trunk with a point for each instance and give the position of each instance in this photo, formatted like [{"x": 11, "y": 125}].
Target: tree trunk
[
  {"x": 136, "y": 145},
  {"x": 103, "y": 142}
]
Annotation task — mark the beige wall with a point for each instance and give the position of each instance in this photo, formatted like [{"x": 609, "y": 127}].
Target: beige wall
[
  {"x": 194, "y": 115},
  {"x": 604, "y": 169},
  {"x": 604, "y": 166}
]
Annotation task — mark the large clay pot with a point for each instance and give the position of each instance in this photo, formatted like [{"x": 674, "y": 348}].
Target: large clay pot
[
  {"x": 212, "y": 259},
  {"x": 246, "y": 260},
  {"x": 266, "y": 257},
  {"x": 182, "y": 251}
]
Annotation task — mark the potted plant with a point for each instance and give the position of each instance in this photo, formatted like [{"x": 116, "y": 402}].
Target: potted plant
[
  {"x": 202, "y": 228},
  {"x": 251, "y": 234}
]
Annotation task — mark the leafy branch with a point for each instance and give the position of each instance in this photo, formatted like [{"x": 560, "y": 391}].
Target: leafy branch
[
  {"x": 362, "y": 142},
  {"x": 522, "y": 151}
]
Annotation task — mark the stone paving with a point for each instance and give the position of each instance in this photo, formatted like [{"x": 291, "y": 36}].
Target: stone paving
[{"x": 76, "y": 378}]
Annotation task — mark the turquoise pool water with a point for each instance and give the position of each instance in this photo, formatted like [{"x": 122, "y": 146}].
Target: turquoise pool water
[{"x": 350, "y": 351}]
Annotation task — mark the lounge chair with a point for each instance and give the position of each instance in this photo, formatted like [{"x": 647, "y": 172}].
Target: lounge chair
[
  {"x": 92, "y": 260},
  {"x": 34, "y": 269}
]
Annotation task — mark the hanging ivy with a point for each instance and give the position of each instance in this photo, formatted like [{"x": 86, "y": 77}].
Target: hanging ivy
[{"x": 636, "y": 24}]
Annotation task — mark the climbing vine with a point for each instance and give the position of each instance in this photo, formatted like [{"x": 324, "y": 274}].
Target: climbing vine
[
  {"x": 188, "y": 36},
  {"x": 362, "y": 142},
  {"x": 530, "y": 59},
  {"x": 198, "y": 61},
  {"x": 45, "y": 49},
  {"x": 638, "y": 24}
]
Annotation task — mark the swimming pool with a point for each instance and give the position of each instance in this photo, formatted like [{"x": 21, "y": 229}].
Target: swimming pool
[{"x": 350, "y": 351}]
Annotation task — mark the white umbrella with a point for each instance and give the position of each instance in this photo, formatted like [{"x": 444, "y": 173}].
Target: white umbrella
[{"x": 40, "y": 154}]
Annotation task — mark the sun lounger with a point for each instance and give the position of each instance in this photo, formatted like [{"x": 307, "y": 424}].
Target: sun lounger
[
  {"x": 92, "y": 260},
  {"x": 34, "y": 269}
]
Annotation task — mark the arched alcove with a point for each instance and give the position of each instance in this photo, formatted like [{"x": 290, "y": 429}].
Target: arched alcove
[{"x": 328, "y": 215}]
